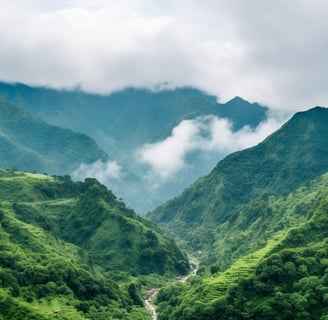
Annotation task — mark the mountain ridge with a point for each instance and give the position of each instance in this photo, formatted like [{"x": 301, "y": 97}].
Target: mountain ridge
[
  {"x": 274, "y": 167},
  {"x": 31, "y": 144},
  {"x": 120, "y": 109},
  {"x": 285, "y": 278}
]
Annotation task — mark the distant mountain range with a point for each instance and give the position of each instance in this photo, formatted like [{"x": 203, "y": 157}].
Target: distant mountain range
[
  {"x": 29, "y": 143},
  {"x": 123, "y": 122}
]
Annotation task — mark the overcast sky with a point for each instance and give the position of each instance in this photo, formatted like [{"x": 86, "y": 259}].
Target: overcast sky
[{"x": 272, "y": 52}]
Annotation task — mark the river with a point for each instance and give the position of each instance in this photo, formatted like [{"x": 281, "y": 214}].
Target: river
[{"x": 150, "y": 294}]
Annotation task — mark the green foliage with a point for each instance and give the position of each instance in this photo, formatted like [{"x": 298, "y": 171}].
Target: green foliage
[
  {"x": 115, "y": 237},
  {"x": 284, "y": 279},
  {"x": 71, "y": 250},
  {"x": 233, "y": 211}
]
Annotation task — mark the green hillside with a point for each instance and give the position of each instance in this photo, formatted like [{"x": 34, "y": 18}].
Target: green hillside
[
  {"x": 214, "y": 214},
  {"x": 71, "y": 250},
  {"x": 28, "y": 143},
  {"x": 286, "y": 278}
]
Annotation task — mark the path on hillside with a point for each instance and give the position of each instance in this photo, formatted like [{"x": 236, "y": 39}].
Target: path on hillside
[{"x": 150, "y": 294}]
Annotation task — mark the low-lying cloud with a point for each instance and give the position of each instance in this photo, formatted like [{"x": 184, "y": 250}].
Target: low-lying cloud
[
  {"x": 207, "y": 134},
  {"x": 105, "y": 172}
]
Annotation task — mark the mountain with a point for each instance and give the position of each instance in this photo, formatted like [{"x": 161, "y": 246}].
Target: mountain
[
  {"x": 29, "y": 143},
  {"x": 123, "y": 122},
  {"x": 284, "y": 279},
  {"x": 215, "y": 213},
  {"x": 71, "y": 250}
]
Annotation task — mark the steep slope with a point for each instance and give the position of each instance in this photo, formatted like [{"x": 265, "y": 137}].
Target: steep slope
[
  {"x": 69, "y": 250},
  {"x": 217, "y": 204},
  {"x": 285, "y": 279},
  {"x": 90, "y": 216},
  {"x": 29, "y": 143}
]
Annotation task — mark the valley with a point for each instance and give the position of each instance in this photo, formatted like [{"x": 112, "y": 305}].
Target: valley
[
  {"x": 245, "y": 263},
  {"x": 255, "y": 223},
  {"x": 124, "y": 125},
  {"x": 163, "y": 160}
]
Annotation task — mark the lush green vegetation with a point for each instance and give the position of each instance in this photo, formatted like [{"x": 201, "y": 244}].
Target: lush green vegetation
[
  {"x": 260, "y": 220},
  {"x": 233, "y": 210},
  {"x": 285, "y": 279},
  {"x": 28, "y": 143},
  {"x": 71, "y": 250},
  {"x": 257, "y": 223}
]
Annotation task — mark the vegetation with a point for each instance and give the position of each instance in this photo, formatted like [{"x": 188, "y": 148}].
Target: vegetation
[
  {"x": 286, "y": 278},
  {"x": 73, "y": 251},
  {"x": 257, "y": 222},
  {"x": 234, "y": 210}
]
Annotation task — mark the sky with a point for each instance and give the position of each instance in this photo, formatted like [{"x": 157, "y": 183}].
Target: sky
[{"x": 271, "y": 52}]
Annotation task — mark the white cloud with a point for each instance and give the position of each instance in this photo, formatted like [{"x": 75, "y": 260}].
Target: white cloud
[
  {"x": 104, "y": 172},
  {"x": 167, "y": 156},
  {"x": 208, "y": 134},
  {"x": 273, "y": 52}
]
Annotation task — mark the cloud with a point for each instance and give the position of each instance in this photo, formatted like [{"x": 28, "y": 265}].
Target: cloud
[
  {"x": 207, "y": 134},
  {"x": 101, "y": 50},
  {"x": 104, "y": 172},
  {"x": 272, "y": 52},
  {"x": 167, "y": 156}
]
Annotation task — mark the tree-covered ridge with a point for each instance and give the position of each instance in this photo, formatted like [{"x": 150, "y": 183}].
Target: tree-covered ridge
[
  {"x": 286, "y": 278},
  {"x": 228, "y": 201},
  {"x": 29, "y": 143},
  {"x": 43, "y": 277},
  {"x": 71, "y": 250}
]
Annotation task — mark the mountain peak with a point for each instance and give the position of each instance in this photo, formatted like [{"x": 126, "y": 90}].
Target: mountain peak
[
  {"x": 242, "y": 111},
  {"x": 316, "y": 117},
  {"x": 315, "y": 111},
  {"x": 238, "y": 100}
]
